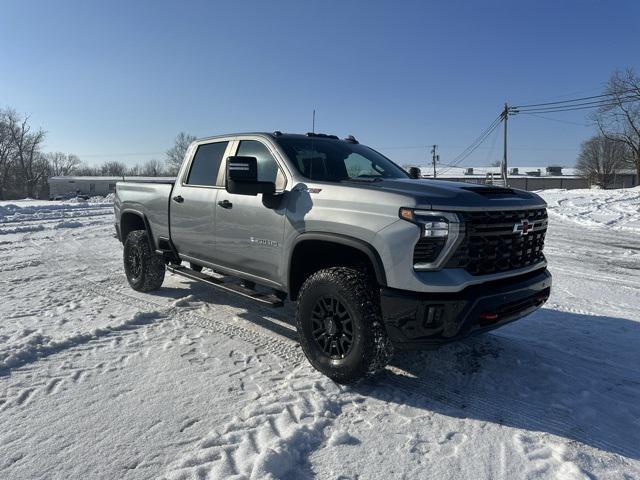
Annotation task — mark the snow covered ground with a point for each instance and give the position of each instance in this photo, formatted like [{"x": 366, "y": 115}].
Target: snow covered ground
[{"x": 99, "y": 381}]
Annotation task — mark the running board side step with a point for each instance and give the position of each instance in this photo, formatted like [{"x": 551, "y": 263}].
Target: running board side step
[{"x": 266, "y": 298}]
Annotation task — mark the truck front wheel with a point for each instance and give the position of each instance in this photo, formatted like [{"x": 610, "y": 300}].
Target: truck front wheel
[
  {"x": 144, "y": 267},
  {"x": 339, "y": 324}
]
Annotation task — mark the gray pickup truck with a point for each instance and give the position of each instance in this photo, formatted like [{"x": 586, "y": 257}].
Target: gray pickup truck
[{"x": 376, "y": 259}]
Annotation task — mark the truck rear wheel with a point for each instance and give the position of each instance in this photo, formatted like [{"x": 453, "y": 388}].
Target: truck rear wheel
[
  {"x": 340, "y": 326},
  {"x": 144, "y": 268}
]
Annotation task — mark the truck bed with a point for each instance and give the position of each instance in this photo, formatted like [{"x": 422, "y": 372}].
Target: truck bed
[{"x": 148, "y": 197}]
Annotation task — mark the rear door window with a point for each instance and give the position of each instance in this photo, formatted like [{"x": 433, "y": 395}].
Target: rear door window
[{"x": 206, "y": 164}]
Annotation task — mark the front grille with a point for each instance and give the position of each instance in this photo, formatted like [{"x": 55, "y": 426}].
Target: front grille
[
  {"x": 427, "y": 249},
  {"x": 491, "y": 246}
]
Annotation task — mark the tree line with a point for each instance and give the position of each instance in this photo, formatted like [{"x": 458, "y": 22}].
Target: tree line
[
  {"x": 616, "y": 145},
  {"x": 25, "y": 168}
]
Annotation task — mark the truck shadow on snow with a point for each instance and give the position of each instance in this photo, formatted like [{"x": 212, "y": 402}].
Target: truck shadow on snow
[
  {"x": 571, "y": 375},
  {"x": 249, "y": 310}
]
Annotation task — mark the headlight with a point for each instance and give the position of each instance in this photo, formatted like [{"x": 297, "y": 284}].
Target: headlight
[
  {"x": 439, "y": 234},
  {"x": 432, "y": 224}
]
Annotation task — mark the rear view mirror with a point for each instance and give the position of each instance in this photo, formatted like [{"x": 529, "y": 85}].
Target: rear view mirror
[
  {"x": 242, "y": 177},
  {"x": 414, "y": 172}
]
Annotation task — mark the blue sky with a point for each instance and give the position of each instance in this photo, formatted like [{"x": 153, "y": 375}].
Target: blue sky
[{"x": 118, "y": 80}]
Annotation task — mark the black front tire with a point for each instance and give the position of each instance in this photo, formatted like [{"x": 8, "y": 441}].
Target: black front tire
[
  {"x": 358, "y": 344},
  {"x": 144, "y": 268}
]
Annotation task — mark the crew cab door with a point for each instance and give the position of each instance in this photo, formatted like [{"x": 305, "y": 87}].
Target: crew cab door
[
  {"x": 249, "y": 234},
  {"x": 192, "y": 207}
]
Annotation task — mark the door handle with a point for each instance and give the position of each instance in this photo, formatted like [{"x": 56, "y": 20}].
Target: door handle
[
  {"x": 225, "y": 204},
  {"x": 178, "y": 199}
]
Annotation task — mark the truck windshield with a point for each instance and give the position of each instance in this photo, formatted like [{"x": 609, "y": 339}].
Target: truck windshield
[{"x": 335, "y": 160}]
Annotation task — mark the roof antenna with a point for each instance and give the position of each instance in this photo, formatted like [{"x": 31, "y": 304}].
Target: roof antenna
[{"x": 313, "y": 122}]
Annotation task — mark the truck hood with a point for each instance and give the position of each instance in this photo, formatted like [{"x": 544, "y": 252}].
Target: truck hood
[{"x": 442, "y": 194}]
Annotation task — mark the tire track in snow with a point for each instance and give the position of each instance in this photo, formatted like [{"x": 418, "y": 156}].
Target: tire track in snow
[
  {"x": 38, "y": 346},
  {"x": 262, "y": 439},
  {"x": 253, "y": 335},
  {"x": 270, "y": 438},
  {"x": 546, "y": 459}
]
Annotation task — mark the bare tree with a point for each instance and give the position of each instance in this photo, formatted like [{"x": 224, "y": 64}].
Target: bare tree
[
  {"x": 619, "y": 120},
  {"x": 113, "y": 168},
  {"x": 152, "y": 168},
  {"x": 85, "y": 170},
  {"x": 62, "y": 163},
  {"x": 599, "y": 159},
  {"x": 176, "y": 154},
  {"x": 134, "y": 171},
  {"x": 24, "y": 169},
  {"x": 6, "y": 152},
  {"x": 26, "y": 143}
]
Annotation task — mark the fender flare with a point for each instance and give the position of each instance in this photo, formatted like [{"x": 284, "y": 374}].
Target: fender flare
[
  {"x": 361, "y": 245},
  {"x": 145, "y": 221}
]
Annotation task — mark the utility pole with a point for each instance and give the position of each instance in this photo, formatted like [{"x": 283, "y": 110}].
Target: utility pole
[
  {"x": 434, "y": 158},
  {"x": 505, "y": 116}
]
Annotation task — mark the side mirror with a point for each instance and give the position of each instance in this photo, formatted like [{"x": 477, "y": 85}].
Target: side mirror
[
  {"x": 242, "y": 177},
  {"x": 414, "y": 172}
]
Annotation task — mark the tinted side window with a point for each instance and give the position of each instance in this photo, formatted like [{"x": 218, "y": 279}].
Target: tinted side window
[
  {"x": 206, "y": 164},
  {"x": 359, "y": 166},
  {"x": 267, "y": 167}
]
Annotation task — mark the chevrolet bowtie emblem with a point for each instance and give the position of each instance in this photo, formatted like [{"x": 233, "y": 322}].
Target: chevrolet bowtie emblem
[{"x": 524, "y": 227}]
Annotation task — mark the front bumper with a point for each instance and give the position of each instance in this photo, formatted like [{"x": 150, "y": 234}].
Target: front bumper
[{"x": 415, "y": 319}]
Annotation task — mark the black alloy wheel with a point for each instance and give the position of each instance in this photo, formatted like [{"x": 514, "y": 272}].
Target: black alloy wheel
[
  {"x": 332, "y": 327},
  {"x": 134, "y": 259}
]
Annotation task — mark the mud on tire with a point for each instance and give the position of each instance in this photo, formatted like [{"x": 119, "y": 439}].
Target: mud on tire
[
  {"x": 144, "y": 268},
  {"x": 340, "y": 325}
]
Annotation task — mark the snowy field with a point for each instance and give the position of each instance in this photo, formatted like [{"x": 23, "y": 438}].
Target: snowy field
[{"x": 99, "y": 381}]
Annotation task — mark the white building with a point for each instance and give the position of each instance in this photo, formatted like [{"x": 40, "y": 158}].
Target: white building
[
  {"x": 529, "y": 178},
  {"x": 60, "y": 187}
]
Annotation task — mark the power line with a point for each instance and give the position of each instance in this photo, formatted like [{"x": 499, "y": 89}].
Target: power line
[
  {"x": 604, "y": 95},
  {"x": 493, "y": 144},
  {"x": 568, "y": 94},
  {"x": 583, "y": 107},
  {"x": 478, "y": 140},
  {"x": 556, "y": 120},
  {"x": 578, "y": 106},
  {"x": 474, "y": 145},
  {"x": 472, "y": 148},
  {"x": 422, "y": 147}
]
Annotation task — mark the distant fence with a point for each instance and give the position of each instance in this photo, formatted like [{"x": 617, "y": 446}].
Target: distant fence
[{"x": 546, "y": 183}]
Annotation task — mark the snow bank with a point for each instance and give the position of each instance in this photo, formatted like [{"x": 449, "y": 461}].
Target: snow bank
[
  {"x": 614, "y": 209},
  {"x": 22, "y": 229},
  {"x": 69, "y": 224},
  {"x": 29, "y": 345},
  {"x": 26, "y": 216}
]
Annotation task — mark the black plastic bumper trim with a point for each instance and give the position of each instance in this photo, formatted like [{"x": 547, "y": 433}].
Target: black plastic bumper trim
[{"x": 429, "y": 319}]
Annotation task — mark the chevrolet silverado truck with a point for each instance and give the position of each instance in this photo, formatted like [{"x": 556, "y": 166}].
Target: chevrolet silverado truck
[{"x": 376, "y": 258}]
